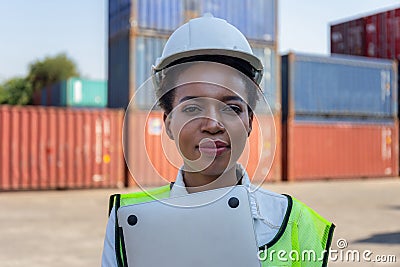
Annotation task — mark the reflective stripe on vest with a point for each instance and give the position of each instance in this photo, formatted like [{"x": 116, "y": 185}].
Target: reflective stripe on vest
[{"x": 303, "y": 239}]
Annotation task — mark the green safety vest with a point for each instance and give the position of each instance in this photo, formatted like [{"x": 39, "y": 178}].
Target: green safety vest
[{"x": 303, "y": 239}]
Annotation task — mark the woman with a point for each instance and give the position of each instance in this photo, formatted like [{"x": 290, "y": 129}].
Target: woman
[{"x": 207, "y": 83}]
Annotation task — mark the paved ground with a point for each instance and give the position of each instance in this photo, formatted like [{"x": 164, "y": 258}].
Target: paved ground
[{"x": 66, "y": 228}]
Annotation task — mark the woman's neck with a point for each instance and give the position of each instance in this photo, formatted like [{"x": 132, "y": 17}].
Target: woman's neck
[{"x": 197, "y": 181}]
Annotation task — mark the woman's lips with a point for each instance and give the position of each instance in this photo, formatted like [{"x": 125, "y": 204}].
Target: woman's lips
[{"x": 214, "y": 148}]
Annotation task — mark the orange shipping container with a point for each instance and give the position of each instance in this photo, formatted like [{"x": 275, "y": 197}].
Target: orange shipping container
[
  {"x": 339, "y": 149},
  {"x": 153, "y": 159},
  {"x": 46, "y": 148}
]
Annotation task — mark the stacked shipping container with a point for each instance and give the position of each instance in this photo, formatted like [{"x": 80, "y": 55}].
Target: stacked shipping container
[
  {"x": 336, "y": 148},
  {"x": 73, "y": 92},
  {"x": 338, "y": 86},
  {"x": 48, "y": 148},
  {"x": 339, "y": 117},
  {"x": 377, "y": 35},
  {"x": 138, "y": 30}
]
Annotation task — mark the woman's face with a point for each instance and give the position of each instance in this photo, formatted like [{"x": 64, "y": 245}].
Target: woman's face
[{"x": 210, "y": 120}]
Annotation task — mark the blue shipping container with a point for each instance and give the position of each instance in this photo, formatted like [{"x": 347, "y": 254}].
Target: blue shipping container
[
  {"x": 269, "y": 84},
  {"x": 160, "y": 15},
  {"x": 118, "y": 72},
  {"x": 119, "y": 15},
  {"x": 338, "y": 86},
  {"x": 256, "y": 19},
  {"x": 148, "y": 49}
]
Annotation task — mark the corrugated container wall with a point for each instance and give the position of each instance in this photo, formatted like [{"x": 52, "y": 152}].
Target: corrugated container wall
[
  {"x": 75, "y": 92},
  {"x": 320, "y": 148},
  {"x": 380, "y": 36},
  {"x": 60, "y": 148},
  {"x": 85, "y": 93},
  {"x": 349, "y": 38},
  {"x": 119, "y": 14},
  {"x": 270, "y": 81},
  {"x": 118, "y": 71},
  {"x": 338, "y": 86},
  {"x": 256, "y": 19},
  {"x": 153, "y": 159},
  {"x": 160, "y": 15},
  {"x": 383, "y": 34},
  {"x": 374, "y": 35},
  {"x": 393, "y": 34},
  {"x": 146, "y": 51}
]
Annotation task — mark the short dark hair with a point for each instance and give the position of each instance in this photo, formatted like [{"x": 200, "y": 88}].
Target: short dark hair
[{"x": 165, "y": 92}]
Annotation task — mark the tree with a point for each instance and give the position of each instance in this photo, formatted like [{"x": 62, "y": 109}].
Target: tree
[
  {"x": 16, "y": 91},
  {"x": 3, "y": 95},
  {"x": 51, "y": 70}
]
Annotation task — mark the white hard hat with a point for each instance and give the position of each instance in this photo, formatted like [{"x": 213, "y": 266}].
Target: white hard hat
[{"x": 208, "y": 36}]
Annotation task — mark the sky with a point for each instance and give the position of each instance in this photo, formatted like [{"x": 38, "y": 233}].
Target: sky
[{"x": 33, "y": 29}]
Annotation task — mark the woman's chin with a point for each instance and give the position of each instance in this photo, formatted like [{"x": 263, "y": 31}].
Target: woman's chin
[{"x": 214, "y": 169}]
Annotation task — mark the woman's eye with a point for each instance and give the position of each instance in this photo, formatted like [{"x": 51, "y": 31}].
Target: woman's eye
[
  {"x": 233, "y": 108},
  {"x": 191, "y": 109}
]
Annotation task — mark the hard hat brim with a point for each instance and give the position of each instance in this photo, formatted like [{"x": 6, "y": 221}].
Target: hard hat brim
[{"x": 253, "y": 60}]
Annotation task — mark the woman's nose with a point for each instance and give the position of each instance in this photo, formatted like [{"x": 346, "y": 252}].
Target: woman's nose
[{"x": 212, "y": 126}]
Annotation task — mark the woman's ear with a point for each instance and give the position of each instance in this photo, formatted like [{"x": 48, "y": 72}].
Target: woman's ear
[
  {"x": 167, "y": 123},
  {"x": 250, "y": 123}
]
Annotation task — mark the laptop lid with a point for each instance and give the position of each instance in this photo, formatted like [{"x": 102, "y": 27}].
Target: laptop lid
[{"x": 210, "y": 228}]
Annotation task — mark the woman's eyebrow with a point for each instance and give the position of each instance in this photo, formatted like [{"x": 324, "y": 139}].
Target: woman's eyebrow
[
  {"x": 224, "y": 99},
  {"x": 183, "y": 99},
  {"x": 232, "y": 97}
]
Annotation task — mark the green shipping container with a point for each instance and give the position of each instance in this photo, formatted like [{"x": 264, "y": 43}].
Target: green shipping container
[{"x": 76, "y": 92}]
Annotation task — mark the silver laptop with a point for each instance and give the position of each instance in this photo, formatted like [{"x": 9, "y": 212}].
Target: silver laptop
[{"x": 205, "y": 229}]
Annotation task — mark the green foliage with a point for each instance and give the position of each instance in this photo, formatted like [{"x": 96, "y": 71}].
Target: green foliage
[
  {"x": 19, "y": 91},
  {"x": 16, "y": 91},
  {"x": 3, "y": 95},
  {"x": 51, "y": 70}
]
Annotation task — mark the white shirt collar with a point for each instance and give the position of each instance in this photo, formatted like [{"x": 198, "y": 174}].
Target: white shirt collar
[{"x": 179, "y": 187}]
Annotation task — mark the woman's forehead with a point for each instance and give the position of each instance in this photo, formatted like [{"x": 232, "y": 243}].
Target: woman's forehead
[
  {"x": 203, "y": 90},
  {"x": 211, "y": 73}
]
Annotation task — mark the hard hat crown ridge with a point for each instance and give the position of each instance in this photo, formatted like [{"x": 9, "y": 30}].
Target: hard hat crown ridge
[{"x": 210, "y": 36}]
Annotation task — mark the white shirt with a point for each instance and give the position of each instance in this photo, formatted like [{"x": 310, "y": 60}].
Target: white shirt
[{"x": 268, "y": 210}]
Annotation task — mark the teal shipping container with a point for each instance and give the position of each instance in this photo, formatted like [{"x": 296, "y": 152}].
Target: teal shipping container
[{"x": 76, "y": 92}]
